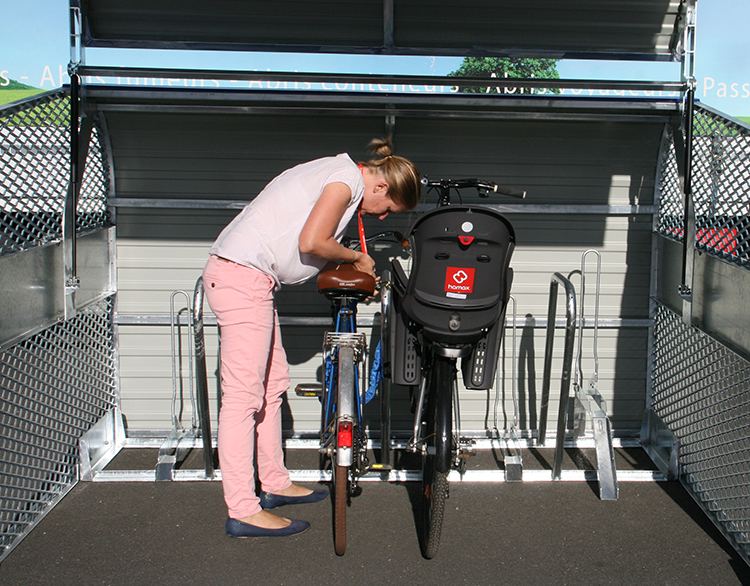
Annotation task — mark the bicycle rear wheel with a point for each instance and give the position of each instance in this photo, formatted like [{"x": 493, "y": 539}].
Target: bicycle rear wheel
[
  {"x": 436, "y": 459},
  {"x": 340, "y": 497},
  {"x": 343, "y": 459}
]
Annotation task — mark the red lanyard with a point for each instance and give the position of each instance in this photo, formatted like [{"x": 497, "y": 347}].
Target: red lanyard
[{"x": 362, "y": 241}]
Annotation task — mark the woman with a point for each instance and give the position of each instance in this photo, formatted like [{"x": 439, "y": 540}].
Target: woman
[{"x": 286, "y": 235}]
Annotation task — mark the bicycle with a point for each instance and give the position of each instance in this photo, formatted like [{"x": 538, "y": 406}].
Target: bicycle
[
  {"x": 343, "y": 435},
  {"x": 451, "y": 306}
]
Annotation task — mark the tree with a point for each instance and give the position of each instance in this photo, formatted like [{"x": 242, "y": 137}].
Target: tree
[{"x": 505, "y": 67}]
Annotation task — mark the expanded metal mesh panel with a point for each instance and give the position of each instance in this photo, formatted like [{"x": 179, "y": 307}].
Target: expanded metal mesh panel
[
  {"x": 35, "y": 158},
  {"x": 720, "y": 185},
  {"x": 53, "y": 388},
  {"x": 35, "y": 174},
  {"x": 91, "y": 210},
  {"x": 671, "y": 200},
  {"x": 721, "y": 179},
  {"x": 701, "y": 390}
]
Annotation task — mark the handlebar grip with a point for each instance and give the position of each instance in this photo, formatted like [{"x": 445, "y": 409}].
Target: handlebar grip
[{"x": 509, "y": 191}]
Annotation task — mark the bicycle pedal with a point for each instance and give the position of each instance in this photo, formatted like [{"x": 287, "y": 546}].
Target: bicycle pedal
[
  {"x": 466, "y": 452},
  {"x": 309, "y": 390},
  {"x": 381, "y": 467}
]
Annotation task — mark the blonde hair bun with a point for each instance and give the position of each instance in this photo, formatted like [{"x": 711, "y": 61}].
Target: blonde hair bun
[{"x": 381, "y": 146}]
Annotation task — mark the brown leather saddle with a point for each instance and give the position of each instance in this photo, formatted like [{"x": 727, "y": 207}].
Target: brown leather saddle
[{"x": 345, "y": 281}]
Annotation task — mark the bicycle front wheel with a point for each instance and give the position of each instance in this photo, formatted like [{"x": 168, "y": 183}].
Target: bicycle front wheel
[{"x": 436, "y": 459}]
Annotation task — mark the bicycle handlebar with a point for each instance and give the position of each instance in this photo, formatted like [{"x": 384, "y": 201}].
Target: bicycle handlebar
[
  {"x": 397, "y": 237},
  {"x": 484, "y": 187}
]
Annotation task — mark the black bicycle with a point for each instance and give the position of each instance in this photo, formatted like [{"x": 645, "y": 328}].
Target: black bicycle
[{"x": 450, "y": 306}]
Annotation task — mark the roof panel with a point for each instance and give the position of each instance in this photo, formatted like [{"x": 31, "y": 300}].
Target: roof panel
[{"x": 633, "y": 29}]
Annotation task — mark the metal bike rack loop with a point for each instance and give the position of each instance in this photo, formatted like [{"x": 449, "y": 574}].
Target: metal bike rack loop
[
  {"x": 570, "y": 332},
  {"x": 177, "y": 444},
  {"x": 180, "y": 440},
  {"x": 589, "y": 400},
  {"x": 201, "y": 377},
  {"x": 512, "y": 458}
]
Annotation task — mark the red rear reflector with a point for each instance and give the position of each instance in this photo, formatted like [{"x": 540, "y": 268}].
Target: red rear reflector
[
  {"x": 345, "y": 434},
  {"x": 466, "y": 240}
]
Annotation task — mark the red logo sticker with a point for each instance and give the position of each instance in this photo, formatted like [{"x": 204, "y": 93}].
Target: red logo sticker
[{"x": 459, "y": 280}]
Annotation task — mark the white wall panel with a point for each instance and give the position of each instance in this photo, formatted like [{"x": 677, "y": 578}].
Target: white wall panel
[{"x": 560, "y": 163}]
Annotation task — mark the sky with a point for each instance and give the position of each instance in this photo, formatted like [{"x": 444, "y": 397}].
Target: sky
[{"x": 35, "y": 51}]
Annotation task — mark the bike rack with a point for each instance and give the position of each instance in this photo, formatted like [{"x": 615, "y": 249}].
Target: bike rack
[
  {"x": 570, "y": 332},
  {"x": 512, "y": 460},
  {"x": 589, "y": 401},
  {"x": 181, "y": 440},
  {"x": 202, "y": 378}
]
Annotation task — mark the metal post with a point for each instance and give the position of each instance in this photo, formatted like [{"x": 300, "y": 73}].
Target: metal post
[
  {"x": 688, "y": 246},
  {"x": 685, "y": 288},
  {"x": 71, "y": 202},
  {"x": 72, "y": 282}
]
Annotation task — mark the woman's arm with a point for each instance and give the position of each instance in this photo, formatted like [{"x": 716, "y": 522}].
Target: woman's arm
[{"x": 317, "y": 236}]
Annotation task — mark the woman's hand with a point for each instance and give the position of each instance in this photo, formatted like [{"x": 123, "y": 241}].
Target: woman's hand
[{"x": 364, "y": 262}]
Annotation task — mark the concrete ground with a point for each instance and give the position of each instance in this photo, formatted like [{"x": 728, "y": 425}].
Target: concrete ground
[{"x": 530, "y": 533}]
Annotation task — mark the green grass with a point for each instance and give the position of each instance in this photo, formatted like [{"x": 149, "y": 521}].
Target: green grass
[{"x": 8, "y": 96}]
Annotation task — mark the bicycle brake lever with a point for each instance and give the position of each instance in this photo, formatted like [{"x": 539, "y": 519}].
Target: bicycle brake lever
[{"x": 401, "y": 239}]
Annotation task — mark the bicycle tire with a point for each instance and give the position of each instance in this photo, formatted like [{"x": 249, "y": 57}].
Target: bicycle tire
[
  {"x": 340, "y": 497},
  {"x": 345, "y": 408},
  {"x": 436, "y": 459}
]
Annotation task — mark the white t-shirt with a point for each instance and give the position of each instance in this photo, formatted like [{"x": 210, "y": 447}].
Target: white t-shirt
[{"x": 265, "y": 235}]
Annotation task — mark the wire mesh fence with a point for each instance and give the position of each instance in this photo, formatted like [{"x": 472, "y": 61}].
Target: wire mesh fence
[
  {"x": 701, "y": 390},
  {"x": 720, "y": 187},
  {"x": 35, "y": 174},
  {"x": 53, "y": 387}
]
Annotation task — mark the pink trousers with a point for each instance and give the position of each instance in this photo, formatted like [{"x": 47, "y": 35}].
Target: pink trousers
[{"x": 254, "y": 376}]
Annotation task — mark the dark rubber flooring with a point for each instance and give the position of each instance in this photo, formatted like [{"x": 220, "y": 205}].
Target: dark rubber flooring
[{"x": 544, "y": 533}]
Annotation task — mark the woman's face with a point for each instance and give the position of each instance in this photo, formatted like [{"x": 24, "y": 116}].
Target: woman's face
[
  {"x": 380, "y": 206},
  {"x": 376, "y": 201}
]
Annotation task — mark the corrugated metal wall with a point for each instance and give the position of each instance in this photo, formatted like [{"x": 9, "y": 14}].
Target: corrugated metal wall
[{"x": 573, "y": 161}]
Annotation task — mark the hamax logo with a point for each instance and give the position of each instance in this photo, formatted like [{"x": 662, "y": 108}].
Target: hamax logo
[{"x": 459, "y": 280}]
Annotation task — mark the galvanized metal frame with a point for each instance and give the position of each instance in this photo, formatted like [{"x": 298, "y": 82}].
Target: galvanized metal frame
[
  {"x": 400, "y": 22},
  {"x": 371, "y": 80},
  {"x": 43, "y": 215},
  {"x": 57, "y": 366},
  {"x": 696, "y": 426}
]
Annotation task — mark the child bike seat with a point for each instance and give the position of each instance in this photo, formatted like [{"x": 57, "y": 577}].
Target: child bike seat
[
  {"x": 460, "y": 278},
  {"x": 345, "y": 281}
]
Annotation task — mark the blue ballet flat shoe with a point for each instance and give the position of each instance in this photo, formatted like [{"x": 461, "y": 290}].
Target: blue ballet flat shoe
[
  {"x": 237, "y": 528},
  {"x": 271, "y": 501}
]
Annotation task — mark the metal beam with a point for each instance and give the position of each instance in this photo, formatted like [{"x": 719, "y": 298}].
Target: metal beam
[{"x": 379, "y": 79}]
